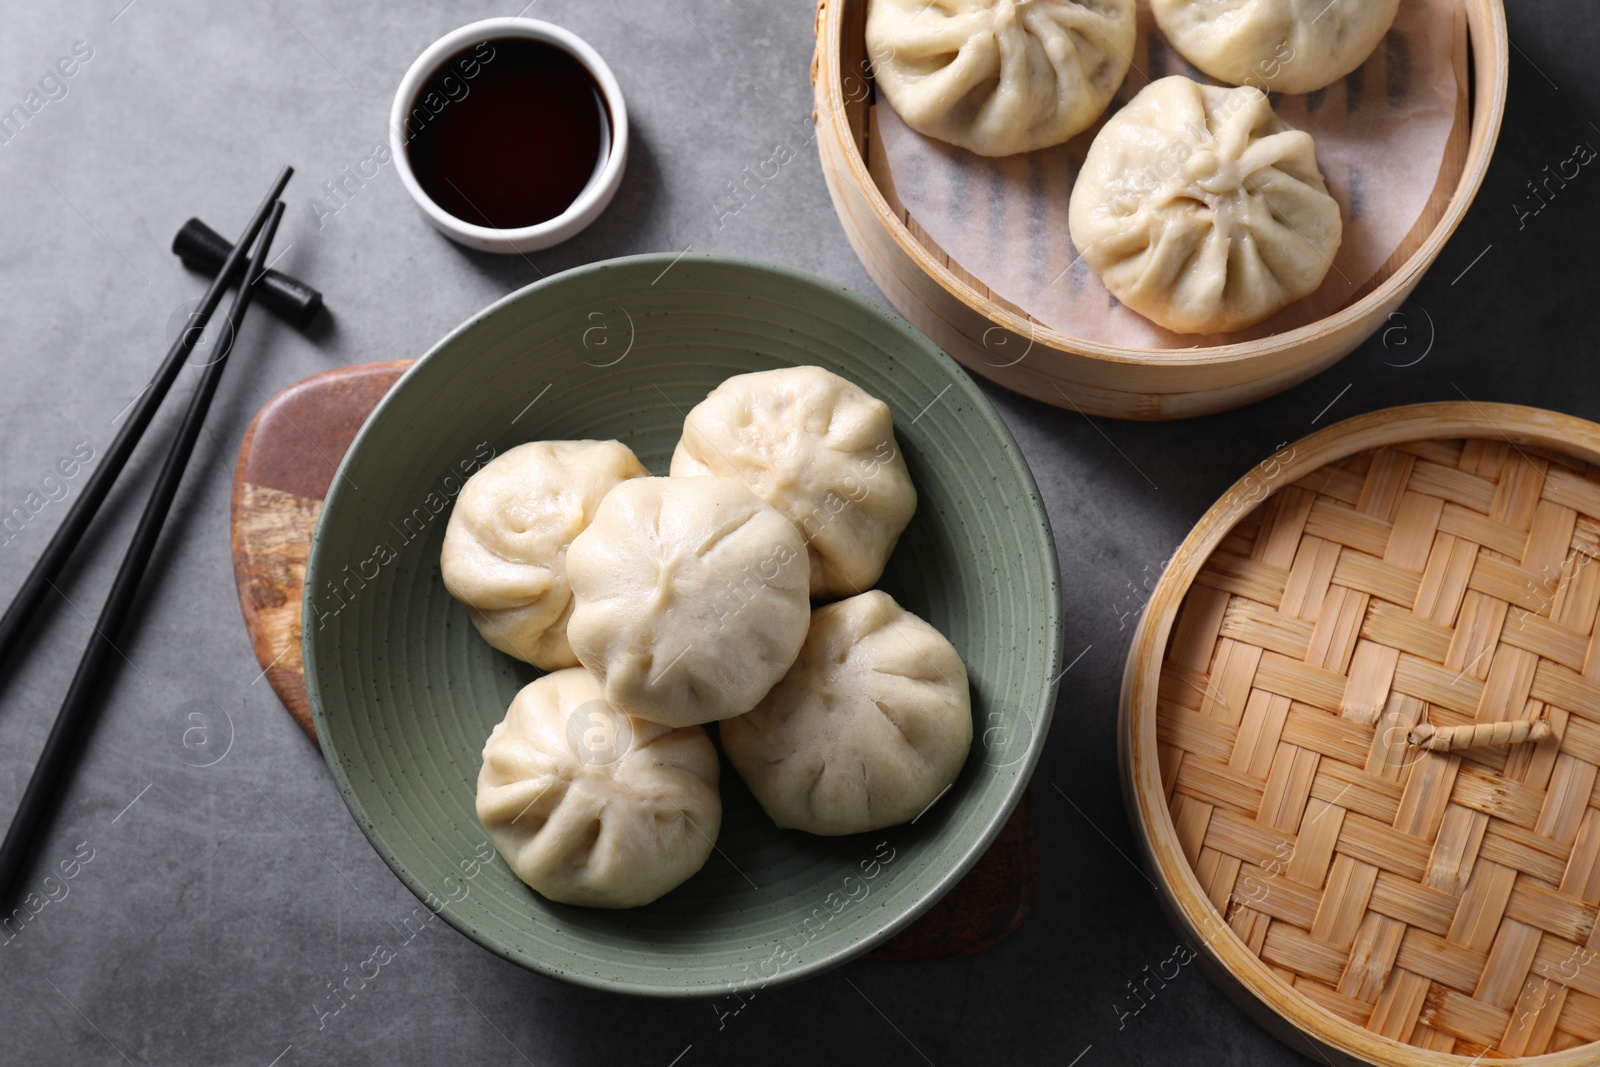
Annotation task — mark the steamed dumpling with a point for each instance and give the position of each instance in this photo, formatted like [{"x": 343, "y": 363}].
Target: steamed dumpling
[
  {"x": 871, "y": 724},
  {"x": 690, "y": 598},
  {"x": 591, "y": 807},
  {"x": 1000, "y": 76},
  {"x": 1284, "y": 46},
  {"x": 1202, "y": 210},
  {"x": 506, "y": 543},
  {"x": 819, "y": 449}
]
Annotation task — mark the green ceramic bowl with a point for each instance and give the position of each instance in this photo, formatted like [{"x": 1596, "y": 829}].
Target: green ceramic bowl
[{"x": 404, "y": 692}]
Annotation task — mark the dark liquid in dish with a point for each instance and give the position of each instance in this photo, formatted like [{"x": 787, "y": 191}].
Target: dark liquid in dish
[{"x": 508, "y": 133}]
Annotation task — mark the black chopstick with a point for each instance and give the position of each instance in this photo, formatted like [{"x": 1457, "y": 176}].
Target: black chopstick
[
  {"x": 66, "y": 538},
  {"x": 72, "y": 721}
]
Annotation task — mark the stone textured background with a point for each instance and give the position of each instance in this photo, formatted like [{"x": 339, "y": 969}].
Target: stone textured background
[{"x": 218, "y": 908}]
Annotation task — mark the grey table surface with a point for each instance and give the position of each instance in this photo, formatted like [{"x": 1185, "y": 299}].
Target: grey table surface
[{"x": 221, "y": 902}]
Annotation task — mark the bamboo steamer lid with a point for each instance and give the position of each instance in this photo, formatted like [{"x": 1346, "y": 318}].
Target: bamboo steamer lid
[{"x": 1392, "y": 903}]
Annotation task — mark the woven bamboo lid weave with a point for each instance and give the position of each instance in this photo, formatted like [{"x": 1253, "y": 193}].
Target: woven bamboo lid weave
[{"x": 1427, "y": 564}]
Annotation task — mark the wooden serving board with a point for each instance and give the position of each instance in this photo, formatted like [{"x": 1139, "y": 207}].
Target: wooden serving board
[{"x": 290, "y": 453}]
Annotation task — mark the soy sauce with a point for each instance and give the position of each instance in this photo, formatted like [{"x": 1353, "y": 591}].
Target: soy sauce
[{"x": 508, "y": 133}]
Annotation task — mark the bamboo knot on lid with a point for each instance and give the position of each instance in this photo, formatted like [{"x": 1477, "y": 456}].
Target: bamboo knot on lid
[{"x": 1459, "y": 738}]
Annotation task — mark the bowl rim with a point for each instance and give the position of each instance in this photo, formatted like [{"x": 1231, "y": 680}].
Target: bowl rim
[
  {"x": 1245, "y": 978},
  {"x": 596, "y": 194},
  {"x": 1039, "y": 721},
  {"x": 1490, "y": 87}
]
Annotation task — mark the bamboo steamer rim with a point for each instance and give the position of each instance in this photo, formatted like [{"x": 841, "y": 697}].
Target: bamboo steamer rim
[
  {"x": 1257, "y": 987},
  {"x": 1491, "y": 52}
]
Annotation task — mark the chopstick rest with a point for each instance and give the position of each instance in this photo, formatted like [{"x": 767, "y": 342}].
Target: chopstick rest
[{"x": 204, "y": 249}]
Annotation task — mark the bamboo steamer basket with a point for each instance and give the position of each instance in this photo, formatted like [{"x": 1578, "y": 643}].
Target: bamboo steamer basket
[
  {"x": 996, "y": 339},
  {"x": 1357, "y": 895}
]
